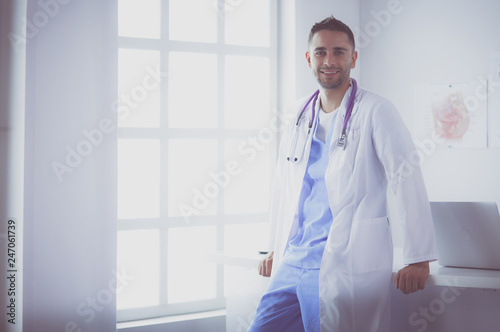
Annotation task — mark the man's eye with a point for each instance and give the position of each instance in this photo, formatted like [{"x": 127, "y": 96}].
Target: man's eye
[{"x": 320, "y": 53}]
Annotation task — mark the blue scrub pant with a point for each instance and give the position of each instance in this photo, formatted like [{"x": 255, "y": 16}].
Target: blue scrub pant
[{"x": 291, "y": 302}]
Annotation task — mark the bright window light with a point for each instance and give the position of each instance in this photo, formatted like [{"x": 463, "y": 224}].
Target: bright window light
[
  {"x": 138, "y": 178},
  {"x": 193, "y": 20},
  {"x": 247, "y": 22},
  {"x": 246, "y": 238},
  {"x": 138, "y": 261},
  {"x": 190, "y": 276},
  {"x": 196, "y": 80},
  {"x": 139, "y": 19},
  {"x": 192, "y": 88},
  {"x": 248, "y": 191},
  {"x": 139, "y": 80},
  {"x": 191, "y": 190},
  {"x": 247, "y": 92}
]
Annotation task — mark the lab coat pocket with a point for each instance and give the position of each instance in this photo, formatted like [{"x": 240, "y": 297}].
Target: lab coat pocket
[
  {"x": 345, "y": 155},
  {"x": 341, "y": 170},
  {"x": 371, "y": 245}
]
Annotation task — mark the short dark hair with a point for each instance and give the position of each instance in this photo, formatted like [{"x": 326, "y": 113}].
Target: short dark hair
[{"x": 332, "y": 24}]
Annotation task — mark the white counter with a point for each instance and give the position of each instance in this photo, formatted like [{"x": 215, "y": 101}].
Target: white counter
[
  {"x": 474, "y": 306},
  {"x": 454, "y": 276},
  {"x": 439, "y": 275}
]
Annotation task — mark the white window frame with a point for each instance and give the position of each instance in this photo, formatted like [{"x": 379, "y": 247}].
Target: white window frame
[{"x": 164, "y": 134}]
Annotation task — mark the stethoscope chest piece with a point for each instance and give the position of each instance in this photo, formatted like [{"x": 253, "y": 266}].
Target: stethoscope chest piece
[{"x": 342, "y": 141}]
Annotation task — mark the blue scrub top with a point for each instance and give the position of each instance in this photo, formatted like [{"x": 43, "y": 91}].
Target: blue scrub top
[{"x": 314, "y": 215}]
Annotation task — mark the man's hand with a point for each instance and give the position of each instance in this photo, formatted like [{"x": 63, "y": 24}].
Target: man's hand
[
  {"x": 412, "y": 277},
  {"x": 266, "y": 264}
]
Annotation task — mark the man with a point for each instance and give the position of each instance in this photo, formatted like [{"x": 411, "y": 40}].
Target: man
[{"x": 332, "y": 259}]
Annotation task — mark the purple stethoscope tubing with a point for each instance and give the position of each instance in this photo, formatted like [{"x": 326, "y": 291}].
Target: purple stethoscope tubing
[
  {"x": 315, "y": 97},
  {"x": 350, "y": 106},
  {"x": 343, "y": 136}
]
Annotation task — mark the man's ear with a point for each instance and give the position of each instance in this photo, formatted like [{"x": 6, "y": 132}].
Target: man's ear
[
  {"x": 354, "y": 58},
  {"x": 308, "y": 58}
]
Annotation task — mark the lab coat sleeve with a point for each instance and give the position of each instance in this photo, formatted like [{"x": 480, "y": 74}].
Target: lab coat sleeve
[
  {"x": 399, "y": 158},
  {"x": 276, "y": 188}
]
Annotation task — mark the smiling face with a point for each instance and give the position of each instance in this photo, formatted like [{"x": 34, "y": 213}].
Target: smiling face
[{"x": 331, "y": 57}]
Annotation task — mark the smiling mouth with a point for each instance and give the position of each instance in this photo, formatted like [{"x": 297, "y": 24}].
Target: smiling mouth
[{"x": 329, "y": 72}]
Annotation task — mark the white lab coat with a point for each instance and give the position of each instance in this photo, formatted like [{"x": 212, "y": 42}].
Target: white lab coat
[{"x": 356, "y": 267}]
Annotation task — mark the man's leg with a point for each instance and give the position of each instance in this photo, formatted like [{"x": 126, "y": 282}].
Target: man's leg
[
  {"x": 279, "y": 308},
  {"x": 308, "y": 295}
]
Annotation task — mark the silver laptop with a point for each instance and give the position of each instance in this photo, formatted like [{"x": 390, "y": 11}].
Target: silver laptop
[{"x": 467, "y": 234}]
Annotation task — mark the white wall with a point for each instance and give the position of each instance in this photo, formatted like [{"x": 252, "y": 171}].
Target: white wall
[
  {"x": 70, "y": 225},
  {"x": 437, "y": 41}
]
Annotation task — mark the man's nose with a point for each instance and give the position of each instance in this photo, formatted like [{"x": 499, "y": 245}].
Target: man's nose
[{"x": 328, "y": 60}]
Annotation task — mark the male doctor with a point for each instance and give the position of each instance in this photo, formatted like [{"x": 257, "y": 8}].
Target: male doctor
[{"x": 331, "y": 262}]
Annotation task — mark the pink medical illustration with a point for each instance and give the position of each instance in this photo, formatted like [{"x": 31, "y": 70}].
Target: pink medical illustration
[{"x": 451, "y": 117}]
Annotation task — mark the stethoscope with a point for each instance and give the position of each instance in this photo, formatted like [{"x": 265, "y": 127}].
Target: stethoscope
[{"x": 295, "y": 157}]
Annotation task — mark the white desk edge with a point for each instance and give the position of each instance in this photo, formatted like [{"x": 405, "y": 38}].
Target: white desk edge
[{"x": 439, "y": 275}]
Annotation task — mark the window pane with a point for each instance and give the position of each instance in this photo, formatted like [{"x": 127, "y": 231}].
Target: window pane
[
  {"x": 193, "y": 20},
  {"x": 139, "y": 79},
  {"x": 190, "y": 276},
  {"x": 138, "y": 178},
  {"x": 138, "y": 260},
  {"x": 140, "y": 19},
  {"x": 192, "y": 101},
  {"x": 191, "y": 190},
  {"x": 247, "y": 22},
  {"x": 248, "y": 191},
  {"x": 247, "y": 92},
  {"x": 246, "y": 238}
]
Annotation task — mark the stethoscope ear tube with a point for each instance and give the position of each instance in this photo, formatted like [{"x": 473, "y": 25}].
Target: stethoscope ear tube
[
  {"x": 293, "y": 156},
  {"x": 293, "y": 145},
  {"x": 298, "y": 140}
]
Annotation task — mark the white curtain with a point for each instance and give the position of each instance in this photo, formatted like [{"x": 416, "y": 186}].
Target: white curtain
[{"x": 65, "y": 140}]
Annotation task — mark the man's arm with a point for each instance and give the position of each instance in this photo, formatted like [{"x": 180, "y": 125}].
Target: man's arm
[
  {"x": 412, "y": 277},
  {"x": 266, "y": 265},
  {"x": 399, "y": 157}
]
